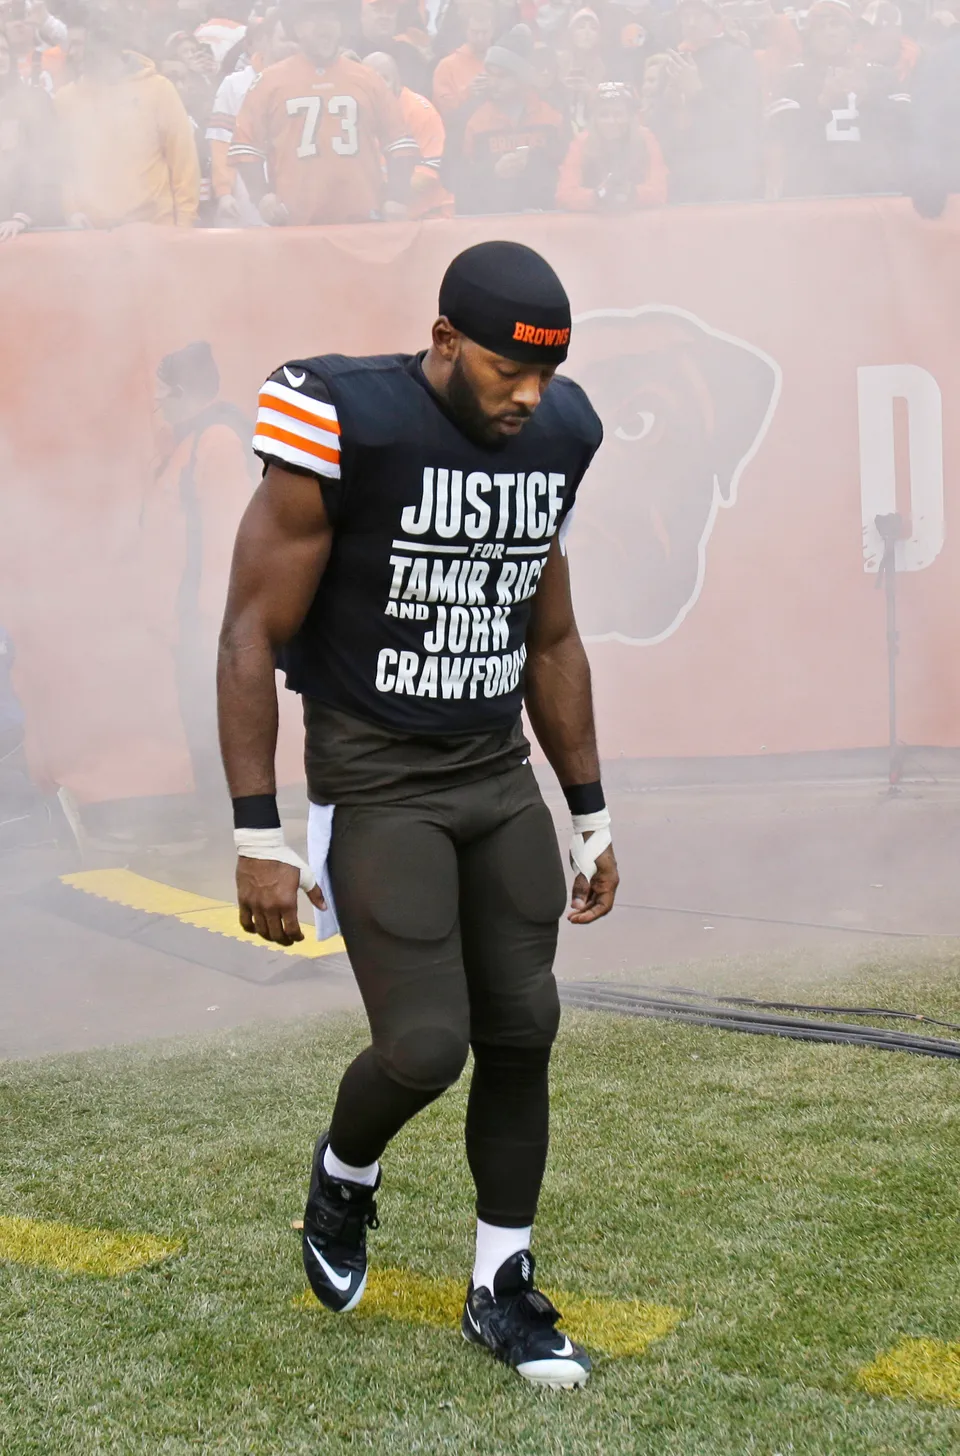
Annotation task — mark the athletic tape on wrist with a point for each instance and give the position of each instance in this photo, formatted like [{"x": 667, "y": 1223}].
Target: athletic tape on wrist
[
  {"x": 584, "y": 853},
  {"x": 270, "y": 844}
]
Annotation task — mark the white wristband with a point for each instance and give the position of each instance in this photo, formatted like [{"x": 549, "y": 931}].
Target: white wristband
[
  {"x": 270, "y": 844},
  {"x": 584, "y": 853}
]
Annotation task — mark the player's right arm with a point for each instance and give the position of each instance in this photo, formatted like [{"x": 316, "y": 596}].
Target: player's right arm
[{"x": 282, "y": 548}]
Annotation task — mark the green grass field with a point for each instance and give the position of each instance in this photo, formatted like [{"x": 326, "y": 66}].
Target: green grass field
[{"x": 798, "y": 1204}]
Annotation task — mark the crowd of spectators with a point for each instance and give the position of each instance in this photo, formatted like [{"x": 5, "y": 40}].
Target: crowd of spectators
[{"x": 228, "y": 113}]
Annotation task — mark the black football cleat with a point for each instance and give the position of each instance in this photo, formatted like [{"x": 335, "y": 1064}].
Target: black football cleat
[
  {"x": 335, "y": 1224},
  {"x": 517, "y": 1324}
]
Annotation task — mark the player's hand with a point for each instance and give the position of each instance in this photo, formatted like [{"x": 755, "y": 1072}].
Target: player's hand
[
  {"x": 12, "y": 228},
  {"x": 228, "y": 212},
  {"x": 267, "y": 896},
  {"x": 79, "y": 220},
  {"x": 395, "y": 212},
  {"x": 592, "y": 901},
  {"x": 272, "y": 210}
]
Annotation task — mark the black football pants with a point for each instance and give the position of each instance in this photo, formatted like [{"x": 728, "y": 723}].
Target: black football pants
[{"x": 449, "y": 905}]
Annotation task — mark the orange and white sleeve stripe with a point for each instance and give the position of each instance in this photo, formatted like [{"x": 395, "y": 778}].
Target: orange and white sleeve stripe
[{"x": 294, "y": 429}]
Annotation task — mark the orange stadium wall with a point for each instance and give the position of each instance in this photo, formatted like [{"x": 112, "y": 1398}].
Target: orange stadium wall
[{"x": 770, "y": 379}]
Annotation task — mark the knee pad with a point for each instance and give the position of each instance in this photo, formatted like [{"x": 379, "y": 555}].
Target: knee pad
[
  {"x": 427, "y": 1058},
  {"x": 527, "y": 1019},
  {"x": 544, "y": 1003}
]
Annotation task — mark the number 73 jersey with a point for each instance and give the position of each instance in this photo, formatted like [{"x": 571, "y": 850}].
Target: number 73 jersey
[{"x": 323, "y": 133}]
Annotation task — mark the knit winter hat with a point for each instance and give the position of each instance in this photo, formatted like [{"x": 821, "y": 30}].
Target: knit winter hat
[{"x": 513, "y": 52}]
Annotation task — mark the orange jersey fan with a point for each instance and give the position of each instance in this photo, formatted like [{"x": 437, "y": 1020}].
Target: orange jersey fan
[{"x": 322, "y": 132}]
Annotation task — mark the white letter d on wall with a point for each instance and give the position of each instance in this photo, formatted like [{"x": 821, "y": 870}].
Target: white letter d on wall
[{"x": 878, "y": 386}]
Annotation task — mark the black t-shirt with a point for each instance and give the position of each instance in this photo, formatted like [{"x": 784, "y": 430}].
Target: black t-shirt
[{"x": 419, "y": 623}]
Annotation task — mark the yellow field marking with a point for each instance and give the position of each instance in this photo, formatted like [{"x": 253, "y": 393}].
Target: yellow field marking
[
  {"x": 45, "y": 1245},
  {"x": 135, "y": 892},
  {"x": 612, "y": 1326},
  {"x": 915, "y": 1370}
]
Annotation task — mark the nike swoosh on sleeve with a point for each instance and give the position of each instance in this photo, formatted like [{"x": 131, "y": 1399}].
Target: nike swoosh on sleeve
[{"x": 292, "y": 379}]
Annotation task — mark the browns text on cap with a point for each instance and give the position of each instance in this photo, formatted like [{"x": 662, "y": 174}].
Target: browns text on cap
[{"x": 507, "y": 298}]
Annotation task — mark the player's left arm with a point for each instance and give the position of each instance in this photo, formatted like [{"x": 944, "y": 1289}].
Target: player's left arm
[{"x": 559, "y": 702}]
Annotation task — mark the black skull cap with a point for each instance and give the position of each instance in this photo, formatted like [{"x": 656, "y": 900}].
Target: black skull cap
[{"x": 508, "y": 299}]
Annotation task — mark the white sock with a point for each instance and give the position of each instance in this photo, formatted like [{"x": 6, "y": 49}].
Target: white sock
[
  {"x": 346, "y": 1172},
  {"x": 494, "y": 1247}
]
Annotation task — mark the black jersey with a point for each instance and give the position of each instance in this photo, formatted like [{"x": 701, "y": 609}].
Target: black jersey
[
  {"x": 857, "y": 146},
  {"x": 420, "y": 620}
]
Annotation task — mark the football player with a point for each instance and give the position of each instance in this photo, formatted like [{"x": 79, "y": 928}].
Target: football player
[{"x": 404, "y": 554}]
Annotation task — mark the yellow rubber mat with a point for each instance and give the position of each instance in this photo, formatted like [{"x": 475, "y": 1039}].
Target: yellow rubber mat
[{"x": 135, "y": 892}]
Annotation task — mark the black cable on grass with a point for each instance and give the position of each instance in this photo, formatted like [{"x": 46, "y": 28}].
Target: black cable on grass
[
  {"x": 797, "y": 924},
  {"x": 598, "y": 996},
  {"x": 882, "y": 1011},
  {"x": 612, "y": 997}
]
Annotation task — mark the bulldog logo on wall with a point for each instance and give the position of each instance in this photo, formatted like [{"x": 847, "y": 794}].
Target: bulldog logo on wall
[{"x": 684, "y": 409}]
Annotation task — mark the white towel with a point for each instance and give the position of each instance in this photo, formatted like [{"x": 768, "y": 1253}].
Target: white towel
[{"x": 319, "y": 832}]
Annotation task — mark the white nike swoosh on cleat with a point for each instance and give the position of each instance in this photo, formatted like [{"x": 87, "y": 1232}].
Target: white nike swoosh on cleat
[
  {"x": 292, "y": 378},
  {"x": 339, "y": 1281},
  {"x": 565, "y": 1351},
  {"x": 473, "y": 1322}
]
